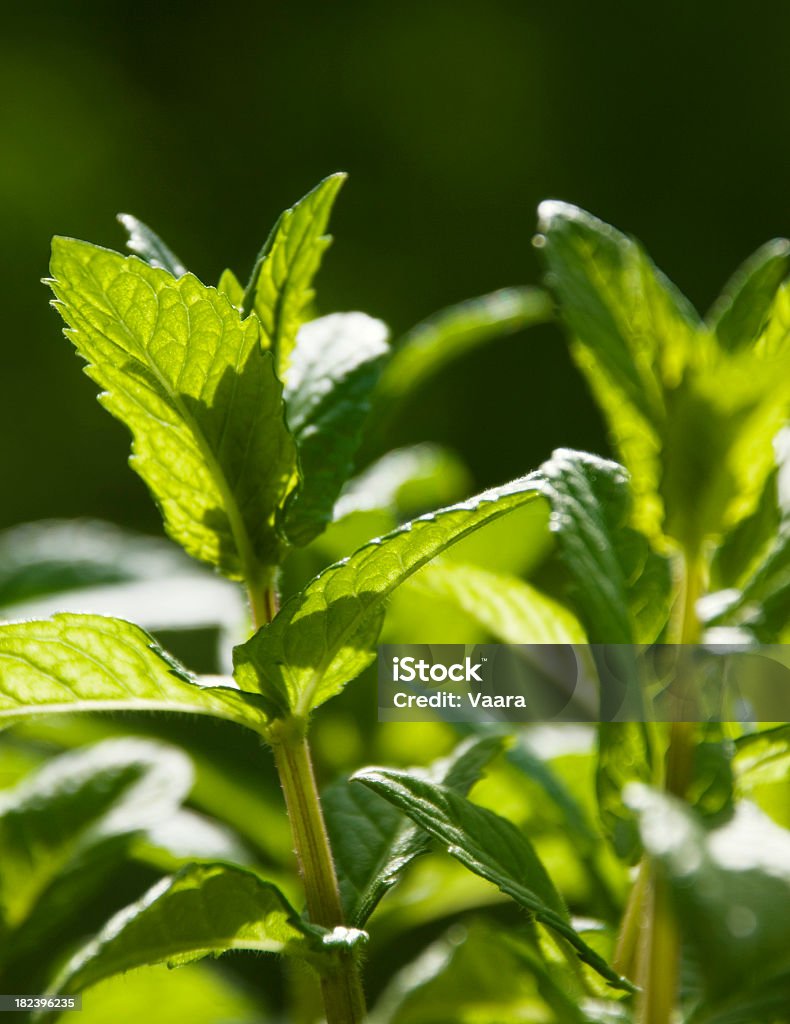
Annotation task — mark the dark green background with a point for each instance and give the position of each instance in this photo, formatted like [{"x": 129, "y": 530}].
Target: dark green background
[{"x": 454, "y": 120}]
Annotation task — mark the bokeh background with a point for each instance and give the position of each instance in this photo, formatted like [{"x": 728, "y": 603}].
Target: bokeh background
[{"x": 453, "y": 118}]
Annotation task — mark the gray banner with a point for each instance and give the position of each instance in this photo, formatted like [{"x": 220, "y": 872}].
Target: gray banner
[{"x": 583, "y": 683}]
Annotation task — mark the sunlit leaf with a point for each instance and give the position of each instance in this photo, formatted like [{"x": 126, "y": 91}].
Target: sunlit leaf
[
  {"x": 190, "y": 380},
  {"x": 89, "y": 663}
]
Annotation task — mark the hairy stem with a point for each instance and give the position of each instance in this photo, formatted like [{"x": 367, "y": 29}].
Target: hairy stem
[{"x": 341, "y": 988}]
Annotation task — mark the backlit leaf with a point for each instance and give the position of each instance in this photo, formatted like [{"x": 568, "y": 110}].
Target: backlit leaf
[
  {"x": 188, "y": 377},
  {"x": 89, "y": 663}
]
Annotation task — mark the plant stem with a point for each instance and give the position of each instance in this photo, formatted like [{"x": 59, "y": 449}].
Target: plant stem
[
  {"x": 341, "y": 987},
  {"x": 344, "y": 999},
  {"x": 659, "y": 959}
]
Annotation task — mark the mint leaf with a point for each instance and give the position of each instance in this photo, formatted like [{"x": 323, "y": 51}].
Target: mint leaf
[
  {"x": 230, "y": 286},
  {"x": 373, "y": 843},
  {"x": 739, "y": 314},
  {"x": 334, "y": 367},
  {"x": 426, "y": 348},
  {"x": 202, "y": 910},
  {"x": 201, "y": 399},
  {"x": 323, "y": 637},
  {"x": 280, "y": 288},
  {"x": 489, "y": 846},
  {"x": 150, "y": 247},
  {"x": 662, "y": 377},
  {"x": 89, "y": 663},
  {"x": 620, "y": 587}
]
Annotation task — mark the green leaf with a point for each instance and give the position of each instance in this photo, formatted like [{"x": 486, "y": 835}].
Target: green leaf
[
  {"x": 731, "y": 889},
  {"x": 489, "y": 846},
  {"x": 150, "y": 247},
  {"x": 230, "y": 286},
  {"x": 202, "y": 910},
  {"x": 662, "y": 377},
  {"x": 280, "y": 288},
  {"x": 89, "y": 663},
  {"x": 620, "y": 587},
  {"x": 333, "y": 369},
  {"x": 452, "y": 332},
  {"x": 189, "y": 379},
  {"x": 740, "y": 313},
  {"x": 508, "y": 608},
  {"x": 323, "y": 636},
  {"x": 373, "y": 843}
]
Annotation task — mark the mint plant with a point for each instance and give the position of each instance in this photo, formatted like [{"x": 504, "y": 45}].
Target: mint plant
[{"x": 246, "y": 412}]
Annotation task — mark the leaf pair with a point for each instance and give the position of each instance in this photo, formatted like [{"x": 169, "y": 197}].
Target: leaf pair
[
  {"x": 325, "y": 636},
  {"x": 693, "y": 405}
]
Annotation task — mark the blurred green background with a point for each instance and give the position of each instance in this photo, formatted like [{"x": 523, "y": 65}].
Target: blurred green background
[{"x": 453, "y": 119}]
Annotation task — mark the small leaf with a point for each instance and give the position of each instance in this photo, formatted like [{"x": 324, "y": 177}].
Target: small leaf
[
  {"x": 741, "y": 311},
  {"x": 323, "y": 636},
  {"x": 489, "y": 846},
  {"x": 202, "y": 910},
  {"x": 373, "y": 843},
  {"x": 189, "y": 379},
  {"x": 452, "y": 332},
  {"x": 150, "y": 247},
  {"x": 230, "y": 286},
  {"x": 280, "y": 288},
  {"x": 334, "y": 367},
  {"x": 88, "y": 663}
]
